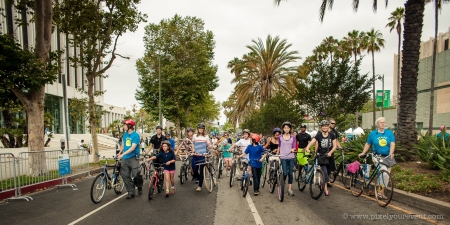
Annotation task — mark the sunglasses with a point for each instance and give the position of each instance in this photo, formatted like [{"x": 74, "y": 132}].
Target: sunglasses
[{"x": 332, "y": 123}]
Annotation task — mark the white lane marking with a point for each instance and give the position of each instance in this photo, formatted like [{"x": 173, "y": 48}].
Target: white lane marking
[
  {"x": 252, "y": 206},
  {"x": 96, "y": 210}
]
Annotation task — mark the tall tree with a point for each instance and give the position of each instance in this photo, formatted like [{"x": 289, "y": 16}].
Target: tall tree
[
  {"x": 395, "y": 21},
  {"x": 373, "y": 43},
  {"x": 437, "y": 7},
  {"x": 186, "y": 53},
  {"x": 95, "y": 27}
]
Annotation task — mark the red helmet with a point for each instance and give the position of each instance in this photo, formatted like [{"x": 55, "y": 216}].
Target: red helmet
[
  {"x": 129, "y": 121},
  {"x": 255, "y": 137}
]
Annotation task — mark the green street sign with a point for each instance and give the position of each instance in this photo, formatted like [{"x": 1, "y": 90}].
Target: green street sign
[{"x": 387, "y": 98}]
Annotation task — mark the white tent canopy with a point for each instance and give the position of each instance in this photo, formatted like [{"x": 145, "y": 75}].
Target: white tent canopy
[
  {"x": 349, "y": 131},
  {"x": 358, "y": 131},
  {"x": 313, "y": 133}
]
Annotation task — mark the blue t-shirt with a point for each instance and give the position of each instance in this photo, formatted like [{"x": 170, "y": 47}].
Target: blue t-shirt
[
  {"x": 164, "y": 157},
  {"x": 128, "y": 140},
  {"x": 381, "y": 142},
  {"x": 255, "y": 153},
  {"x": 172, "y": 143}
]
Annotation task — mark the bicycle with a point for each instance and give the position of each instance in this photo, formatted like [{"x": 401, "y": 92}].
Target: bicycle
[
  {"x": 209, "y": 178},
  {"x": 107, "y": 180},
  {"x": 312, "y": 175},
  {"x": 185, "y": 169},
  {"x": 245, "y": 180},
  {"x": 233, "y": 167},
  {"x": 144, "y": 169},
  {"x": 361, "y": 180},
  {"x": 341, "y": 169},
  {"x": 264, "y": 170},
  {"x": 157, "y": 180},
  {"x": 220, "y": 163},
  {"x": 276, "y": 177}
]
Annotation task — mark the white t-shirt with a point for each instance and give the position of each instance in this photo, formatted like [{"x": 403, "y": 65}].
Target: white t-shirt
[
  {"x": 243, "y": 144},
  {"x": 143, "y": 145}
]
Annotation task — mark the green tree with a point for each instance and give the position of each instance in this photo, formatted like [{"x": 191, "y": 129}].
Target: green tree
[
  {"x": 95, "y": 27},
  {"x": 317, "y": 93},
  {"x": 373, "y": 43},
  {"x": 185, "y": 52},
  {"x": 207, "y": 110},
  {"x": 395, "y": 21},
  {"x": 269, "y": 116}
]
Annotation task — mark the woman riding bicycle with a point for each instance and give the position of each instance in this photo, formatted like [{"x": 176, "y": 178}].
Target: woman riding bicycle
[
  {"x": 286, "y": 149},
  {"x": 325, "y": 146},
  {"x": 201, "y": 143}
]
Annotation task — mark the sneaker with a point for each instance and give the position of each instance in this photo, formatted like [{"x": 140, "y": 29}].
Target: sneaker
[
  {"x": 196, "y": 181},
  {"x": 256, "y": 193},
  {"x": 130, "y": 196},
  {"x": 167, "y": 193},
  {"x": 140, "y": 190},
  {"x": 228, "y": 174},
  {"x": 251, "y": 182},
  {"x": 327, "y": 193},
  {"x": 290, "y": 192},
  {"x": 199, "y": 189},
  {"x": 172, "y": 190}
]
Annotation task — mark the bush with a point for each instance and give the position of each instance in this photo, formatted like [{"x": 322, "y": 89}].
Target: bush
[
  {"x": 436, "y": 152},
  {"x": 418, "y": 183}
]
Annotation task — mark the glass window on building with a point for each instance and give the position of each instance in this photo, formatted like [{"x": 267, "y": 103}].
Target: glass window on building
[
  {"x": 76, "y": 121},
  {"x": 53, "y": 105}
]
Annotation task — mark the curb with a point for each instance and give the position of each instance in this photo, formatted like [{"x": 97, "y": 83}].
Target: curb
[{"x": 421, "y": 202}]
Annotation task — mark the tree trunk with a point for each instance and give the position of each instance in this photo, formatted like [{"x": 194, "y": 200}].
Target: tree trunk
[
  {"x": 433, "y": 68},
  {"x": 373, "y": 90},
  {"x": 178, "y": 129},
  {"x": 398, "y": 75},
  {"x": 35, "y": 111},
  {"x": 407, "y": 133},
  {"x": 92, "y": 115}
]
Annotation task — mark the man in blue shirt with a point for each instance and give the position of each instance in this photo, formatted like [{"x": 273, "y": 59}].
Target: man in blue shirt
[
  {"x": 129, "y": 154},
  {"x": 172, "y": 142}
]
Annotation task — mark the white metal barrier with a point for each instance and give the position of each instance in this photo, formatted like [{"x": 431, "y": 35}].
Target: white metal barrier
[{"x": 8, "y": 177}]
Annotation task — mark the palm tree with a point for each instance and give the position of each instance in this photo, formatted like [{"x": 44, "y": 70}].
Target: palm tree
[
  {"x": 355, "y": 42},
  {"x": 374, "y": 41},
  {"x": 263, "y": 71},
  {"x": 437, "y": 6},
  {"x": 395, "y": 21},
  {"x": 407, "y": 132},
  {"x": 330, "y": 44}
]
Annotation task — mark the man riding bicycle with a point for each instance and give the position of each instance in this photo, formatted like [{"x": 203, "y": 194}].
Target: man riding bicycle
[{"x": 129, "y": 153}]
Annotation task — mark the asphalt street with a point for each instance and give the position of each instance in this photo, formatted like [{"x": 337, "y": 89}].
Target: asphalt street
[{"x": 224, "y": 205}]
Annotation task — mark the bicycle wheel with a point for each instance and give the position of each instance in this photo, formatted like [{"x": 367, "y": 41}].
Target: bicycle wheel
[
  {"x": 142, "y": 170},
  {"x": 220, "y": 168},
  {"x": 182, "y": 174},
  {"x": 160, "y": 182},
  {"x": 263, "y": 182},
  {"x": 232, "y": 174},
  {"x": 301, "y": 180},
  {"x": 118, "y": 184},
  {"x": 357, "y": 184},
  {"x": 316, "y": 184},
  {"x": 151, "y": 189},
  {"x": 207, "y": 178},
  {"x": 187, "y": 172},
  {"x": 333, "y": 175},
  {"x": 345, "y": 177},
  {"x": 245, "y": 185},
  {"x": 280, "y": 183},
  {"x": 384, "y": 188},
  {"x": 98, "y": 188},
  {"x": 272, "y": 181}
]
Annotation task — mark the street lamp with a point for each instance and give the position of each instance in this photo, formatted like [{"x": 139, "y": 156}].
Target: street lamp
[
  {"x": 381, "y": 77},
  {"x": 159, "y": 79}
]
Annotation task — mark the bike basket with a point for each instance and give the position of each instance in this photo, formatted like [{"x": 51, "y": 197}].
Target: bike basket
[{"x": 353, "y": 167}]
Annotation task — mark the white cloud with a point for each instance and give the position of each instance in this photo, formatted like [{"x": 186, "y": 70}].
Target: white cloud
[{"x": 236, "y": 22}]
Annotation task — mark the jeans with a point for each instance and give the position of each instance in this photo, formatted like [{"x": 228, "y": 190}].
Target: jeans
[
  {"x": 198, "y": 169},
  {"x": 326, "y": 172},
  {"x": 129, "y": 168},
  {"x": 288, "y": 169},
  {"x": 256, "y": 172}
]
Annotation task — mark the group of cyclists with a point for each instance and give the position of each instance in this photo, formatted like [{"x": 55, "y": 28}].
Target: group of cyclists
[{"x": 198, "y": 144}]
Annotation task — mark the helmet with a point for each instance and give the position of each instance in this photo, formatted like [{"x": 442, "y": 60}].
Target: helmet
[
  {"x": 324, "y": 122},
  {"x": 190, "y": 129},
  {"x": 129, "y": 121},
  {"x": 201, "y": 125},
  {"x": 286, "y": 123},
  {"x": 239, "y": 134},
  {"x": 256, "y": 137},
  {"x": 303, "y": 126},
  {"x": 168, "y": 134},
  {"x": 276, "y": 130},
  {"x": 165, "y": 142},
  {"x": 246, "y": 131},
  {"x": 224, "y": 142},
  {"x": 158, "y": 127}
]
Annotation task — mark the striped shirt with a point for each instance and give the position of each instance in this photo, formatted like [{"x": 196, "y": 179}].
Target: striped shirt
[{"x": 201, "y": 143}]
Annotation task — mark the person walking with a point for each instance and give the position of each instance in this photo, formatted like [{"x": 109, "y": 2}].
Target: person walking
[{"x": 286, "y": 149}]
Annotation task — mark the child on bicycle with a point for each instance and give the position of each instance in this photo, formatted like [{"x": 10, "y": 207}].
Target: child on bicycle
[
  {"x": 167, "y": 157},
  {"x": 256, "y": 155},
  {"x": 227, "y": 155}
]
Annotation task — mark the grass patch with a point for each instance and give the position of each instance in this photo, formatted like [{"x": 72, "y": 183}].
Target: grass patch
[
  {"x": 26, "y": 180},
  {"x": 417, "y": 183}
]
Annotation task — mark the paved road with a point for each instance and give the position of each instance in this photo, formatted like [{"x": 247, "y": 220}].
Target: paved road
[{"x": 224, "y": 206}]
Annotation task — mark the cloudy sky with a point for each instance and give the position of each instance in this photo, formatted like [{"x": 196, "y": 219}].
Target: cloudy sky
[{"x": 236, "y": 22}]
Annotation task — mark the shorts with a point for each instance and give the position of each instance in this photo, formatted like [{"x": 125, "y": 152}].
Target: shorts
[
  {"x": 227, "y": 159},
  {"x": 170, "y": 171}
]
